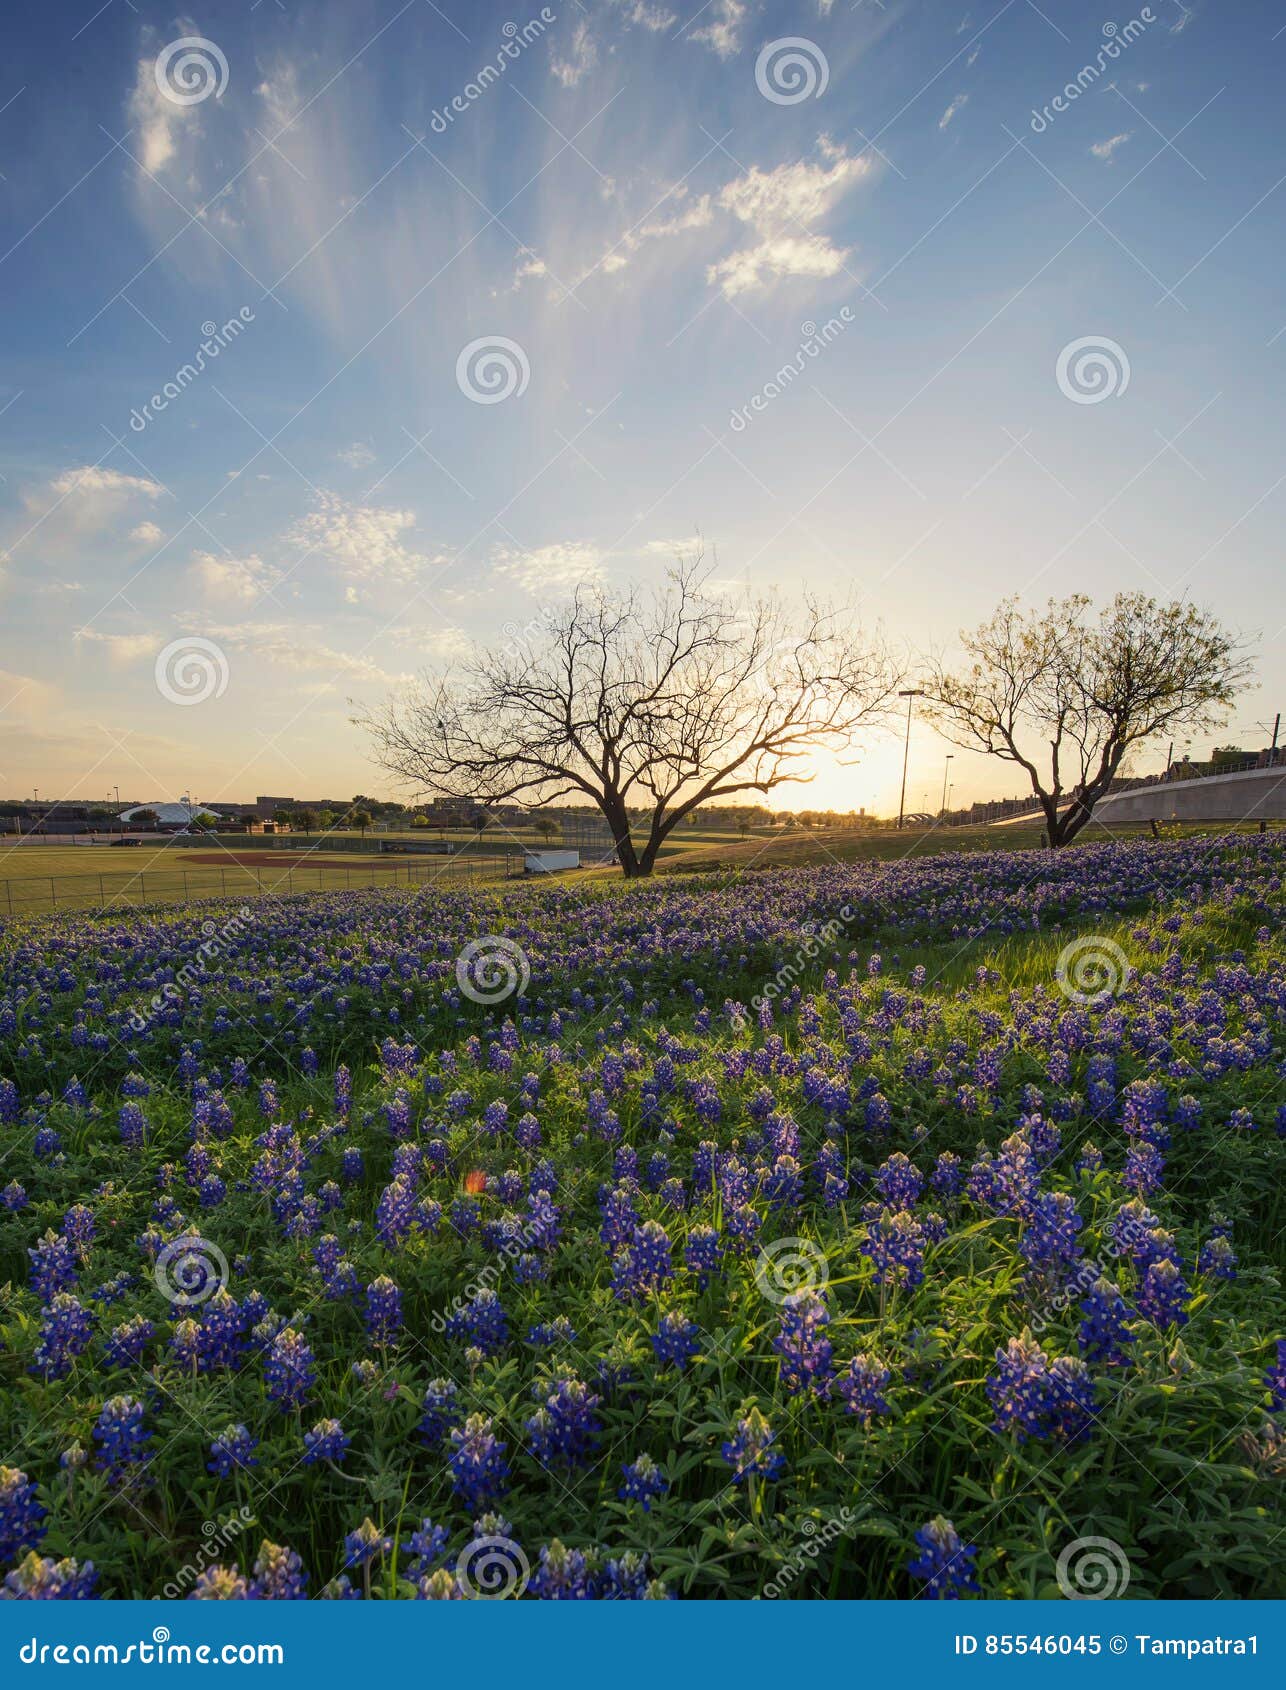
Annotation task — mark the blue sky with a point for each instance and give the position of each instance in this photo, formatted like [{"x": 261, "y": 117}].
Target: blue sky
[{"x": 641, "y": 213}]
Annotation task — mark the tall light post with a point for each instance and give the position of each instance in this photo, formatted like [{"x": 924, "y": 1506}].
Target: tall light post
[
  {"x": 910, "y": 694},
  {"x": 946, "y": 770}
]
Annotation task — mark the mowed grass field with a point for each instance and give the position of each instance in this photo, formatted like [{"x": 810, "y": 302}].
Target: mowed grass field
[{"x": 35, "y": 879}]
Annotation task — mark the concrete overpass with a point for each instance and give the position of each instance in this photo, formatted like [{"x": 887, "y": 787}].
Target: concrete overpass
[{"x": 1249, "y": 795}]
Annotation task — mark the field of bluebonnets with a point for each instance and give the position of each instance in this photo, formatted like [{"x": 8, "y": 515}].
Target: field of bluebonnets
[{"x": 875, "y": 1230}]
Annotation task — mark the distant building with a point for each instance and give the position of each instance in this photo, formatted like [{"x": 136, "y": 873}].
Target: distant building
[{"x": 170, "y": 815}]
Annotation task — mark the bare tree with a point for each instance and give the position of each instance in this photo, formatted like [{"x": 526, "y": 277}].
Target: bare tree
[
  {"x": 1066, "y": 696},
  {"x": 646, "y": 705}
]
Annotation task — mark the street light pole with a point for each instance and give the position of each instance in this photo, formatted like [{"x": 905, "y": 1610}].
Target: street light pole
[
  {"x": 910, "y": 694},
  {"x": 946, "y": 770}
]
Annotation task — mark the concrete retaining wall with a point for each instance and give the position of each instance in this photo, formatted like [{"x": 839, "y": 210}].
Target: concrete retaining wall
[{"x": 1251, "y": 795}]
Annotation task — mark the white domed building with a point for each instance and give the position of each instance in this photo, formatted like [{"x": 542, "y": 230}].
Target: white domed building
[{"x": 168, "y": 815}]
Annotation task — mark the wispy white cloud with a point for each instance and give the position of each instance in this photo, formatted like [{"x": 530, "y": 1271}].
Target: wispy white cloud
[
  {"x": 163, "y": 129},
  {"x": 581, "y": 57},
  {"x": 562, "y": 564},
  {"x": 147, "y": 534},
  {"x": 296, "y": 647},
  {"x": 956, "y": 104},
  {"x": 121, "y": 649},
  {"x": 233, "y": 580},
  {"x": 76, "y": 504},
  {"x": 367, "y": 542},
  {"x": 357, "y": 456},
  {"x": 780, "y": 206},
  {"x": 1105, "y": 149},
  {"x": 94, "y": 481},
  {"x": 722, "y": 32}
]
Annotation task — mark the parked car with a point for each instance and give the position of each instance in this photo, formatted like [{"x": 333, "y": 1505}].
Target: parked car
[{"x": 125, "y": 841}]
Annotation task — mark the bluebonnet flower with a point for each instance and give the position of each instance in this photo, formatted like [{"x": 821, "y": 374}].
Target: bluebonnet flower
[
  {"x": 1089, "y": 1159},
  {"x": 66, "y": 1328},
  {"x": 279, "y": 1575},
  {"x": 21, "y": 1515},
  {"x": 644, "y": 1265},
  {"x": 1102, "y": 1335},
  {"x": 558, "y": 1331},
  {"x": 1144, "y": 1171},
  {"x": 1049, "y": 1243},
  {"x": 122, "y": 1442},
  {"x": 946, "y": 1178},
  {"x": 232, "y": 1450},
  {"x": 365, "y": 1545},
  {"x": 222, "y": 1340},
  {"x": 565, "y": 1428},
  {"x": 645, "y": 1482},
  {"x": 479, "y": 1471},
  {"x": 749, "y": 1451},
  {"x": 427, "y": 1545},
  {"x": 899, "y": 1182},
  {"x": 1275, "y": 1378},
  {"x": 439, "y": 1410},
  {"x": 440, "y": 1586},
  {"x": 803, "y": 1346},
  {"x": 675, "y": 1340},
  {"x": 564, "y": 1575},
  {"x": 894, "y": 1245},
  {"x": 625, "y": 1579},
  {"x": 862, "y": 1387},
  {"x": 288, "y": 1371},
  {"x": 383, "y": 1314},
  {"x": 326, "y": 1442},
  {"x": 53, "y": 1265},
  {"x": 620, "y": 1216},
  {"x": 14, "y": 1197},
  {"x": 945, "y": 1563},
  {"x": 219, "y": 1584},
  {"x": 39, "y": 1579},
  {"x": 1187, "y": 1113},
  {"x": 1071, "y": 1405},
  {"x": 482, "y": 1322},
  {"x": 1218, "y": 1258},
  {"x": 1036, "y": 1399},
  {"x": 1162, "y": 1294}
]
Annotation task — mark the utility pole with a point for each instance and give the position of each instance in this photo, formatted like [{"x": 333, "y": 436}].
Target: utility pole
[
  {"x": 1272, "y": 755},
  {"x": 910, "y": 694}
]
